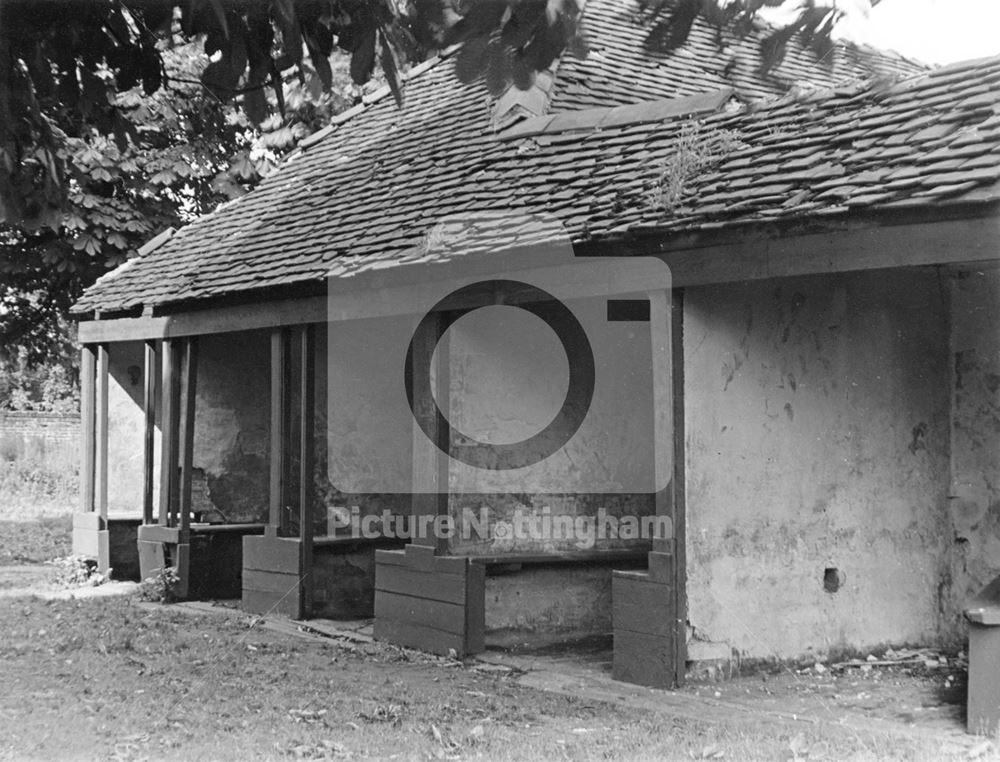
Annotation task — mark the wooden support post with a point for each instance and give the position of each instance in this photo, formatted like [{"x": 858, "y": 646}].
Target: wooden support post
[
  {"x": 307, "y": 445},
  {"x": 170, "y": 434},
  {"x": 679, "y": 502},
  {"x": 90, "y": 527},
  {"x": 663, "y": 408},
  {"x": 149, "y": 431},
  {"x": 280, "y": 437},
  {"x": 189, "y": 383},
  {"x": 88, "y": 364},
  {"x": 101, "y": 437},
  {"x": 430, "y": 461}
]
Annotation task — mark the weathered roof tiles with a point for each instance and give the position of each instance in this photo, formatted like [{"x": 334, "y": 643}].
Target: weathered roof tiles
[{"x": 369, "y": 189}]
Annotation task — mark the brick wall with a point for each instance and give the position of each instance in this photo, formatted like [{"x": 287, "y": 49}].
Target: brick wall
[
  {"x": 55, "y": 427},
  {"x": 39, "y": 463}
]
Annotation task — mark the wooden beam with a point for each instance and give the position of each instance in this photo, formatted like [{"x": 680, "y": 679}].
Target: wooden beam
[
  {"x": 149, "y": 430},
  {"x": 430, "y": 462},
  {"x": 756, "y": 257},
  {"x": 88, "y": 364},
  {"x": 280, "y": 436},
  {"x": 101, "y": 436},
  {"x": 663, "y": 408},
  {"x": 307, "y": 448},
  {"x": 679, "y": 492},
  {"x": 189, "y": 387},
  {"x": 169, "y": 432},
  {"x": 694, "y": 261}
]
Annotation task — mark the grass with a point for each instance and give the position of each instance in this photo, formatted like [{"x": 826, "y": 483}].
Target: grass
[
  {"x": 36, "y": 540},
  {"x": 115, "y": 680},
  {"x": 36, "y": 481}
]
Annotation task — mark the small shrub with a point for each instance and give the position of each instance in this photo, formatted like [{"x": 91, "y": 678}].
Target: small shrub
[
  {"x": 161, "y": 587},
  {"x": 696, "y": 150},
  {"x": 78, "y": 571}
]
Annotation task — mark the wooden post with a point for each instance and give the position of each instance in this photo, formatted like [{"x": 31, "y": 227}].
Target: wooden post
[
  {"x": 101, "y": 436},
  {"x": 679, "y": 502},
  {"x": 307, "y": 445},
  {"x": 88, "y": 363},
  {"x": 170, "y": 435},
  {"x": 430, "y": 462},
  {"x": 149, "y": 432},
  {"x": 90, "y": 527},
  {"x": 280, "y": 403},
  {"x": 190, "y": 385},
  {"x": 663, "y": 408}
]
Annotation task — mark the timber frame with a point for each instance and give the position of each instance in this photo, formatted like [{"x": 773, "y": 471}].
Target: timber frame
[{"x": 277, "y": 564}]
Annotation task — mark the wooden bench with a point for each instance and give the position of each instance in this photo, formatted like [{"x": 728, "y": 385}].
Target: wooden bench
[{"x": 437, "y": 603}]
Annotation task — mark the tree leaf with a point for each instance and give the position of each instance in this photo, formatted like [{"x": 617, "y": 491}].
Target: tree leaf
[
  {"x": 391, "y": 72},
  {"x": 363, "y": 57},
  {"x": 255, "y": 104}
]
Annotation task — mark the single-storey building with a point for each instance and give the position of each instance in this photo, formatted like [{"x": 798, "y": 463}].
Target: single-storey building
[{"x": 809, "y": 398}]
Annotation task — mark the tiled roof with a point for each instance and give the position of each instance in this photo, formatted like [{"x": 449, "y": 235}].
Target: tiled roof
[
  {"x": 379, "y": 180},
  {"x": 621, "y": 68}
]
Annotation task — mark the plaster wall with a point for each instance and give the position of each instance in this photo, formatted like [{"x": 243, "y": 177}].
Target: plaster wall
[
  {"x": 125, "y": 430},
  {"x": 232, "y": 413},
  {"x": 817, "y": 456},
  {"x": 231, "y": 428},
  {"x": 507, "y": 379},
  {"x": 975, "y": 432}
]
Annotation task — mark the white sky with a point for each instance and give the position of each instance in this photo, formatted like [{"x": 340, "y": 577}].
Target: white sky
[{"x": 934, "y": 31}]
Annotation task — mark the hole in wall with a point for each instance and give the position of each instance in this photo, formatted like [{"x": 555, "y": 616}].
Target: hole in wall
[{"x": 832, "y": 579}]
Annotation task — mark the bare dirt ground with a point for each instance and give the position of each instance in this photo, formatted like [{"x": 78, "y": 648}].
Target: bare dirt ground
[{"x": 113, "y": 678}]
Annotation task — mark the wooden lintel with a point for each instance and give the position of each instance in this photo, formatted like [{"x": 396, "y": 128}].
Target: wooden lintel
[
  {"x": 877, "y": 247},
  {"x": 701, "y": 261}
]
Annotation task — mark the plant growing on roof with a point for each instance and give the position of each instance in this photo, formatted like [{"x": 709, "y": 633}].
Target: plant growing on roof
[{"x": 695, "y": 151}]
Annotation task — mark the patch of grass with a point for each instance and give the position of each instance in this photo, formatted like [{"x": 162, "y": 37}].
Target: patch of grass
[
  {"x": 36, "y": 541},
  {"x": 115, "y": 680},
  {"x": 30, "y": 486}
]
